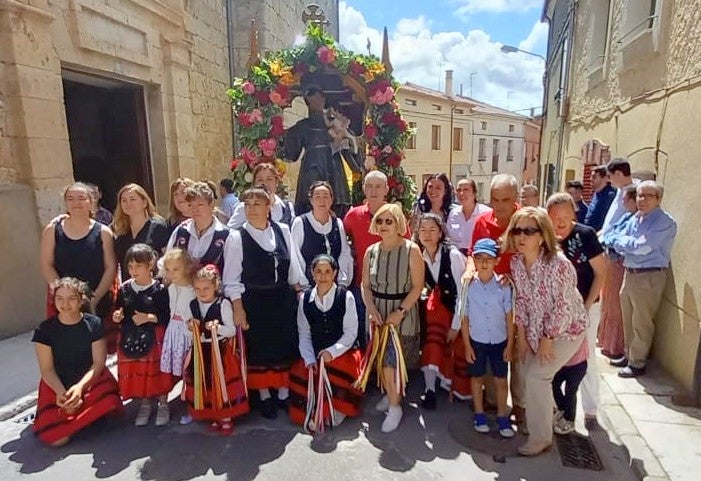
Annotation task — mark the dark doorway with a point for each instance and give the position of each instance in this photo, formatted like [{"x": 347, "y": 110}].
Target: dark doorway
[{"x": 108, "y": 133}]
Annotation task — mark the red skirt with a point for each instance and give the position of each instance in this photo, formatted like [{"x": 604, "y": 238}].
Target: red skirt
[
  {"x": 448, "y": 358},
  {"x": 342, "y": 371},
  {"x": 142, "y": 377},
  {"x": 611, "y": 326},
  {"x": 235, "y": 387},
  {"x": 265, "y": 377},
  {"x": 99, "y": 399}
]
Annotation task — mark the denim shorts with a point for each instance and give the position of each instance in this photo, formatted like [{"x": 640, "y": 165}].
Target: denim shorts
[{"x": 488, "y": 353}]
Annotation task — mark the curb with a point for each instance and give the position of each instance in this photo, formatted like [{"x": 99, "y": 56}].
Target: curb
[
  {"x": 640, "y": 457},
  {"x": 20, "y": 405}
]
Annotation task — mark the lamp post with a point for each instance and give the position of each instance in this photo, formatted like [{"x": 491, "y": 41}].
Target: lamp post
[{"x": 512, "y": 49}]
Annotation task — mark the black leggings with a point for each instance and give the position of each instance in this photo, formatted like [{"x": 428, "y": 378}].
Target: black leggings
[{"x": 571, "y": 376}]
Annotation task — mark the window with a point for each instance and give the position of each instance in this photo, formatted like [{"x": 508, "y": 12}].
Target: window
[
  {"x": 457, "y": 139},
  {"x": 510, "y": 150},
  {"x": 482, "y": 150},
  {"x": 410, "y": 101},
  {"x": 459, "y": 111},
  {"x": 411, "y": 141},
  {"x": 598, "y": 33},
  {"x": 495, "y": 155},
  {"x": 484, "y": 125},
  {"x": 639, "y": 15},
  {"x": 436, "y": 107},
  {"x": 511, "y": 127},
  {"x": 435, "y": 137}
]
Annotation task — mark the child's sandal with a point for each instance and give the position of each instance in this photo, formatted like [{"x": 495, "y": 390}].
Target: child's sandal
[
  {"x": 214, "y": 427},
  {"x": 226, "y": 428}
]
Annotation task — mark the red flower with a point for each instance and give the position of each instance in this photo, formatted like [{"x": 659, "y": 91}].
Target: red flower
[
  {"x": 245, "y": 120},
  {"x": 276, "y": 128},
  {"x": 394, "y": 160},
  {"x": 326, "y": 55},
  {"x": 235, "y": 163},
  {"x": 400, "y": 188},
  {"x": 283, "y": 90},
  {"x": 249, "y": 156},
  {"x": 356, "y": 69},
  {"x": 378, "y": 86},
  {"x": 375, "y": 152},
  {"x": 402, "y": 126},
  {"x": 300, "y": 68},
  {"x": 262, "y": 97},
  {"x": 390, "y": 118},
  {"x": 371, "y": 131},
  {"x": 392, "y": 182}
]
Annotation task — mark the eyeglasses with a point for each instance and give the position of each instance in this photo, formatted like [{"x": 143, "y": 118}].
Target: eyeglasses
[
  {"x": 380, "y": 221},
  {"x": 529, "y": 231},
  {"x": 647, "y": 196}
]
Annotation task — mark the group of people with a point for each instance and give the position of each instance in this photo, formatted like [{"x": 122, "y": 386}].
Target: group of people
[{"x": 304, "y": 310}]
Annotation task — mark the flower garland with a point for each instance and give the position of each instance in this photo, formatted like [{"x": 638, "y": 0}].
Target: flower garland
[{"x": 258, "y": 102}]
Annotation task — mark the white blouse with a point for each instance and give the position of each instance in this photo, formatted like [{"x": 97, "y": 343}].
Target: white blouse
[{"x": 457, "y": 267}]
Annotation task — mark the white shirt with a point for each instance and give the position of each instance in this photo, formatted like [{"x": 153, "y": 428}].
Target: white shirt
[
  {"x": 345, "y": 259},
  {"x": 239, "y": 216},
  {"x": 228, "y": 204},
  {"x": 350, "y": 326},
  {"x": 179, "y": 298},
  {"x": 459, "y": 229},
  {"x": 457, "y": 267},
  {"x": 226, "y": 326},
  {"x": 616, "y": 209},
  {"x": 198, "y": 245},
  {"x": 265, "y": 238}
]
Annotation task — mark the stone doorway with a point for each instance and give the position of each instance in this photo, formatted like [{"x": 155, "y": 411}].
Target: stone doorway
[{"x": 108, "y": 133}]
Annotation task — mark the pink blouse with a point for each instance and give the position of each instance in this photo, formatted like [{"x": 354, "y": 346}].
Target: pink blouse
[{"x": 547, "y": 301}]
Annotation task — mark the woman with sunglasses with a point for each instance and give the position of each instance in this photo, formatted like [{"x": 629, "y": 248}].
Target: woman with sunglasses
[
  {"x": 550, "y": 316},
  {"x": 393, "y": 277}
]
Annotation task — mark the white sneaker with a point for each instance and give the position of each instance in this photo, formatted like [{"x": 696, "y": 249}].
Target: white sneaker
[
  {"x": 162, "y": 414},
  {"x": 563, "y": 426},
  {"x": 144, "y": 413},
  {"x": 186, "y": 419},
  {"x": 383, "y": 404},
  {"x": 392, "y": 420}
]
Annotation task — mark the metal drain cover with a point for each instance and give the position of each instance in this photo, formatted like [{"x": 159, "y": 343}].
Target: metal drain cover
[
  {"x": 28, "y": 419},
  {"x": 577, "y": 451}
]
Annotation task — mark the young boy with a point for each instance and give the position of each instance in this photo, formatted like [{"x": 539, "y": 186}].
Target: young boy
[{"x": 488, "y": 332}]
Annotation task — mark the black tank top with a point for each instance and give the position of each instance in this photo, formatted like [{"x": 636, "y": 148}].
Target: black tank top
[{"x": 80, "y": 258}]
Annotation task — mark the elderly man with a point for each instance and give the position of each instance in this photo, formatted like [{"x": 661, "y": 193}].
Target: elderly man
[
  {"x": 530, "y": 196},
  {"x": 576, "y": 189},
  {"x": 503, "y": 195},
  {"x": 645, "y": 244}
]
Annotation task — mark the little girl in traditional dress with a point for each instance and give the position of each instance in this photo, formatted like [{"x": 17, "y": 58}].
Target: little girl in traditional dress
[
  {"x": 214, "y": 388},
  {"x": 143, "y": 312},
  {"x": 178, "y": 267}
]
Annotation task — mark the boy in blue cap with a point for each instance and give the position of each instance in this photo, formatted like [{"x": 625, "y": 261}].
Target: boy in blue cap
[{"x": 488, "y": 332}]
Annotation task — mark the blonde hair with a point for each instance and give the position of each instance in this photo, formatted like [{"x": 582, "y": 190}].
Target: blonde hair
[
  {"x": 181, "y": 255},
  {"x": 396, "y": 212},
  {"x": 120, "y": 224},
  {"x": 550, "y": 245},
  {"x": 175, "y": 214},
  {"x": 209, "y": 272}
]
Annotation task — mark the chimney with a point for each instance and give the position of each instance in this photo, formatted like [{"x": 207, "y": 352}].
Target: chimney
[{"x": 449, "y": 82}]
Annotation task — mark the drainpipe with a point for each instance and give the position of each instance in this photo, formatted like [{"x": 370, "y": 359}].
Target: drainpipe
[{"x": 230, "y": 40}]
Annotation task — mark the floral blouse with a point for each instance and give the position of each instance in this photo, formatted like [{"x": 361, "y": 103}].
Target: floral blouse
[{"x": 547, "y": 302}]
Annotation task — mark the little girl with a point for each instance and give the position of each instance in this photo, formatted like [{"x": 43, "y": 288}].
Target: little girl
[
  {"x": 75, "y": 388},
  {"x": 142, "y": 310},
  {"x": 328, "y": 329},
  {"x": 214, "y": 388}
]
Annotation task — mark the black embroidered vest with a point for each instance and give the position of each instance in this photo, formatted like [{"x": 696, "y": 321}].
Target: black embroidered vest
[
  {"x": 215, "y": 252},
  {"x": 446, "y": 283},
  {"x": 326, "y": 327},
  {"x": 259, "y": 266},
  {"x": 315, "y": 243}
]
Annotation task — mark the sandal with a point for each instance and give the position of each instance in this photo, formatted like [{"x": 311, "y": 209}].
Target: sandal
[
  {"x": 214, "y": 427},
  {"x": 226, "y": 428}
]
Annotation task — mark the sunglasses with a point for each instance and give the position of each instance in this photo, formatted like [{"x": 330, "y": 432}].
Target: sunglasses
[
  {"x": 380, "y": 221},
  {"x": 529, "y": 231}
]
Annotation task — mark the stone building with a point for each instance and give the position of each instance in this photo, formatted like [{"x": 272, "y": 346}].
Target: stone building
[
  {"x": 460, "y": 136},
  {"x": 114, "y": 92},
  {"x": 624, "y": 80}
]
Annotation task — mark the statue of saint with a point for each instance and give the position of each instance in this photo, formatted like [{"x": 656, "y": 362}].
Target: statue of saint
[{"x": 328, "y": 151}]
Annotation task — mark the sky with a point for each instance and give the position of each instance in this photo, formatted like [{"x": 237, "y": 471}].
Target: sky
[{"x": 427, "y": 37}]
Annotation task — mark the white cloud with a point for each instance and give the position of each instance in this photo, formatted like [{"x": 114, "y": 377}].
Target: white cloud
[
  {"x": 421, "y": 56},
  {"x": 468, "y": 7},
  {"x": 537, "y": 38}
]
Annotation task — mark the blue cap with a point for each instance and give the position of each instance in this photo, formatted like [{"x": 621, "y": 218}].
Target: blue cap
[{"x": 486, "y": 246}]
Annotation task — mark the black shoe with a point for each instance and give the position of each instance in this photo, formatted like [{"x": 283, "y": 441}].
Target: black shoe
[
  {"x": 268, "y": 409},
  {"x": 282, "y": 403},
  {"x": 630, "y": 371},
  {"x": 620, "y": 362},
  {"x": 429, "y": 401}
]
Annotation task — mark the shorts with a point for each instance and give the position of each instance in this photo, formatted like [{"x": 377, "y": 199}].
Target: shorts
[{"x": 488, "y": 353}]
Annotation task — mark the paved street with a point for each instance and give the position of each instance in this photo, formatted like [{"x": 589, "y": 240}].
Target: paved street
[{"x": 422, "y": 449}]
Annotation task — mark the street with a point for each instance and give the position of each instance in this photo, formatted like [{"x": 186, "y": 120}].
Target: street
[{"x": 421, "y": 449}]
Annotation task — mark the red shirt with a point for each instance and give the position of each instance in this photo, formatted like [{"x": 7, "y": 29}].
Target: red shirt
[
  {"x": 487, "y": 226},
  {"x": 357, "y": 225}
]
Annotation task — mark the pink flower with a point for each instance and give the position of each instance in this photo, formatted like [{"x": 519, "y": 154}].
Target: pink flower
[
  {"x": 276, "y": 98},
  {"x": 375, "y": 151},
  {"x": 267, "y": 146},
  {"x": 382, "y": 97},
  {"x": 245, "y": 120},
  {"x": 370, "y": 131},
  {"x": 248, "y": 87},
  {"x": 256, "y": 116},
  {"x": 249, "y": 156},
  {"x": 387, "y": 149},
  {"x": 326, "y": 55},
  {"x": 276, "y": 127}
]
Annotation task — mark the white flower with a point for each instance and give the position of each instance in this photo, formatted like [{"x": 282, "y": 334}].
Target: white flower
[{"x": 248, "y": 176}]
